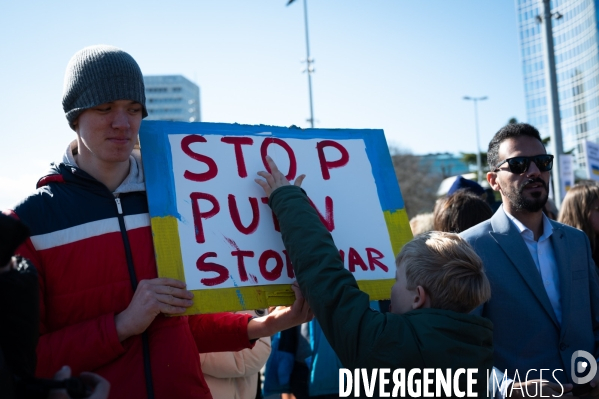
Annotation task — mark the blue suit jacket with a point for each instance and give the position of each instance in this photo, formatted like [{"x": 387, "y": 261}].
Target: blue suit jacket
[{"x": 527, "y": 334}]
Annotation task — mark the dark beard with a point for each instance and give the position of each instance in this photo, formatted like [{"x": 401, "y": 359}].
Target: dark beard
[{"x": 530, "y": 205}]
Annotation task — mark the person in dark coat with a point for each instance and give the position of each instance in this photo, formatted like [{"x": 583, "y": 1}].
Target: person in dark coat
[
  {"x": 19, "y": 328},
  {"x": 19, "y": 312}
]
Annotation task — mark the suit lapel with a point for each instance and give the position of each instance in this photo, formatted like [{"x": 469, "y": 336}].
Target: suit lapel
[
  {"x": 559, "y": 243},
  {"x": 507, "y": 235}
]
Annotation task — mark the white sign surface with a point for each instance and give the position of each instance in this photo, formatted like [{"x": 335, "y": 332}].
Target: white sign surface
[
  {"x": 567, "y": 173},
  {"x": 228, "y": 235}
]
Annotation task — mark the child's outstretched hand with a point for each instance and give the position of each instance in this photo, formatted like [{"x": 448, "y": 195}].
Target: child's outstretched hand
[{"x": 275, "y": 179}]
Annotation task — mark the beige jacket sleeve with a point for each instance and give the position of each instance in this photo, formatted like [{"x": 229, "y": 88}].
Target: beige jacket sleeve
[
  {"x": 244, "y": 363},
  {"x": 234, "y": 375}
]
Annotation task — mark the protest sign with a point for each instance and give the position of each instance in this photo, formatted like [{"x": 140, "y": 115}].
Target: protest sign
[
  {"x": 567, "y": 173},
  {"x": 591, "y": 150},
  {"x": 213, "y": 228}
]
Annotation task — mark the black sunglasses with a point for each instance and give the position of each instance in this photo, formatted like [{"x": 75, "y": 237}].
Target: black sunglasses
[{"x": 519, "y": 165}]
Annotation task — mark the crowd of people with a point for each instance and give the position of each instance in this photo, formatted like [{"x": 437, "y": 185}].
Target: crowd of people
[{"x": 503, "y": 289}]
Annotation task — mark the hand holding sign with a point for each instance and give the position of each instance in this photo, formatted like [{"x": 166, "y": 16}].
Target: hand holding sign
[
  {"x": 283, "y": 317},
  {"x": 152, "y": 297},
  {"x": 275, "y": 179}
]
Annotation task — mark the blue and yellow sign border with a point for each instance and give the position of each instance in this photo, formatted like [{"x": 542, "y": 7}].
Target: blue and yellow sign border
[{"x": 156, "y": 153}]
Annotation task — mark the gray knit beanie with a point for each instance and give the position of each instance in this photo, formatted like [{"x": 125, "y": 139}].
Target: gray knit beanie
[{"x": 100, "y": 74}]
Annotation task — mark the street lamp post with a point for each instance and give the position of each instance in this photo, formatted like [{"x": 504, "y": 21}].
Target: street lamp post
[
  {"x": 309, "y": 69},
  {"x": 554, "y": 119},
  {"x": 478, "y": 160}
]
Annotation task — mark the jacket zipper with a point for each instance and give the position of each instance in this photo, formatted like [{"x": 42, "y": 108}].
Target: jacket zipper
[
  {"x": 118, "y": 205},
  {"x": 145, "y": 341}
]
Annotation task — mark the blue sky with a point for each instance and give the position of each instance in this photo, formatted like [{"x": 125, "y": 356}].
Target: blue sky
[{"x": 399, "y": 65}]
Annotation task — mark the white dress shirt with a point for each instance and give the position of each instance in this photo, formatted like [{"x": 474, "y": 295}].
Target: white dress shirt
[{"x": 544, "y": 257}]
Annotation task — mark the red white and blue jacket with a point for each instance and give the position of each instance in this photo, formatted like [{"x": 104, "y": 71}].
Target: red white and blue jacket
[{"x": 91, "y": 247}]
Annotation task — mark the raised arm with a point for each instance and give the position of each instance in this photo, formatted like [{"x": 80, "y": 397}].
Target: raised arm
[{"x": 340, "y": 307}]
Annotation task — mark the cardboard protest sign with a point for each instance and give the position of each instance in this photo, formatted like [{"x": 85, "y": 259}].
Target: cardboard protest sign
[
  {"x": 591, "y": 150},
  {"x": 214, "y": 230},
  {"x": 566, "y": 164}
]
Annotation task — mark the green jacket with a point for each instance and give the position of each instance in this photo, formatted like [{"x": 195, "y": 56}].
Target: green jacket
[{"x": 364, "y": 338}]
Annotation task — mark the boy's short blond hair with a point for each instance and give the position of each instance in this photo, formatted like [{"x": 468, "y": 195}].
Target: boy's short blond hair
[{"x": 449, "y": 270}]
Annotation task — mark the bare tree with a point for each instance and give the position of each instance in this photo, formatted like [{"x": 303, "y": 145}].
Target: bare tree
[{"x": 418, "y": 183}]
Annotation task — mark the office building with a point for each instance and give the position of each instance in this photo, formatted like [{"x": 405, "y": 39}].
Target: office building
[
  {"x": 577, "y": 65},
  {"x": 172, "y": 98}
]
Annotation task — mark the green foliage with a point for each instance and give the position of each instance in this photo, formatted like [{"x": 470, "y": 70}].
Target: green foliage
[{"x": 470, "y": 158}]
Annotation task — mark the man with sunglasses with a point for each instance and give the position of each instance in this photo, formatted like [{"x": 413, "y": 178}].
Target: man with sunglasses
[{"x": 544, "y": 290}]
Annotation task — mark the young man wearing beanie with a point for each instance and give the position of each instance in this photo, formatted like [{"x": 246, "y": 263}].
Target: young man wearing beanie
[{"x": 103, "y": 309}]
